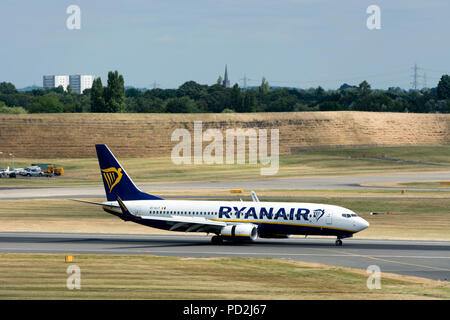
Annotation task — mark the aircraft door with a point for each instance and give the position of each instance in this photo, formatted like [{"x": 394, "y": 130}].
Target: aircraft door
[{"x": 328, "y": 218}]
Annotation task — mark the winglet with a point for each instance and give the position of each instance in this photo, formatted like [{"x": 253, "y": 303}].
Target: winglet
[{"x": 254, "y": 196}]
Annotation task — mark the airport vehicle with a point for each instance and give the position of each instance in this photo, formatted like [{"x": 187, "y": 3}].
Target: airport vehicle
[
  {"x": 228, "y": 220},
  {"x": 18, "y": 171},
  {"x": 56, "y": 171},
  {"x": 49, "y": 169},
  {"x": 32, "y": 171}
]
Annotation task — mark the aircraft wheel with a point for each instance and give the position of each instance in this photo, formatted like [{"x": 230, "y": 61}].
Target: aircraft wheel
[
  {"x": 216, "y": 240},
  {"x": 339, "y": 242}
]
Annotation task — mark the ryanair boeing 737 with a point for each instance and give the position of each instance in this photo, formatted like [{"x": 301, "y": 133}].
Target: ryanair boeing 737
[{"x": 228, "y": 220}]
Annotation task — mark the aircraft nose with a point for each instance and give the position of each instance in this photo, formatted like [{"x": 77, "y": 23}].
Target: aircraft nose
[{"x": 363, "y": 224}]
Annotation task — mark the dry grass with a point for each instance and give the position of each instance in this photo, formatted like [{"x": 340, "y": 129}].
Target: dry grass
[
  {"x": 27, "y": 276},
  {"x": 149, "y": 135}
]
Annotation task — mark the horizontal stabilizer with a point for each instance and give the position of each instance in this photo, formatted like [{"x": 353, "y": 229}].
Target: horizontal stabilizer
[{"x": 96, "y": 203}]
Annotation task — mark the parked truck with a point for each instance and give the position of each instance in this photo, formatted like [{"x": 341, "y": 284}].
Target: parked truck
[{"x": 50, "y": 169}]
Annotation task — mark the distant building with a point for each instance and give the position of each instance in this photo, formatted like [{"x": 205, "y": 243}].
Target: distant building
[
  {"x": 78, "y": 82},
  {"x": 81, "y": 82},
  {"x": 55, "y": 81},
  {"x": 226, "y": 82}
]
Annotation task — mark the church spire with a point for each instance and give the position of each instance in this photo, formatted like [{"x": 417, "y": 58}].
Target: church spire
[{"x": 226, "y": 82}]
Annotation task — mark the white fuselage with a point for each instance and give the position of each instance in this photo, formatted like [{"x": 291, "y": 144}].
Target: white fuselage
[{"x": 270, "y": 217}]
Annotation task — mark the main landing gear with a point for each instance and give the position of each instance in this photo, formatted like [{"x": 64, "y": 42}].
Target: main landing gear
[{"x": 216, "y": 240}]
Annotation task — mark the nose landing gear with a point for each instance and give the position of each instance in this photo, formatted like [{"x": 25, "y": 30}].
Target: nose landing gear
[{"x": 338, "y": 242}]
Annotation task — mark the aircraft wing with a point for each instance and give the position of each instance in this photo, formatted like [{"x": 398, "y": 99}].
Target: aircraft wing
[{"x": 189, "y": 224}]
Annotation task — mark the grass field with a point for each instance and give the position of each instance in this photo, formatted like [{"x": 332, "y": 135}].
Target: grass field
[
  {"x": 149, "y": 135},
  {"x": 32, "y": 276},
  {"x": 347, "y": 161}
]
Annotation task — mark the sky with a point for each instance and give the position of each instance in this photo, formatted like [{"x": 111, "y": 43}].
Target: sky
[{"x": 295, "y": 43}]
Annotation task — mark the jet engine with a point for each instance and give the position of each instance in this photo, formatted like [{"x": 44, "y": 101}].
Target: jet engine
[{"x": 242, "y": 231}]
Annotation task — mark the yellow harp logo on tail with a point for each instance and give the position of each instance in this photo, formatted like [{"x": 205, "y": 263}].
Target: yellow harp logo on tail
[{"x": 112, "y": 177}]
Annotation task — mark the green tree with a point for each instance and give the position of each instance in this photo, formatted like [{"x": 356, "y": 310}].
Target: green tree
[
  {"x": 280, "y": 101},
  {"x": 132, "y": 93},
  {"x": 191, "y": 89},
  {"x": 114, "y": 93},
  {"x": 58, "y": 90},
  {"x": 319, "y": 92},
  {"x": 248, "y": 102},
  {"x": 11, "y": 110},
  {"x": 180, "y": 105},
  {"x": 37, "y": 92},
  {"x": 7, "y": 88},
  {"x": 364, "y": 88},
  {"x": 97, "y": 99},
  {"x": 264, "y": 87},
  {"x": 443, "y": 87},
  {"x": 330, "y": 106},
  {"x": 236, "y": 98},
  {"x": 47, "y": 104}
]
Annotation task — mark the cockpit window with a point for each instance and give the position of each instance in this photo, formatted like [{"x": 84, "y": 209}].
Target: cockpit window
[{"x": 348, "y": 215}]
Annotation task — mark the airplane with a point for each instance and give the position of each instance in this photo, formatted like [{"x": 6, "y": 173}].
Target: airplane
[{"x": 228, "y": 220}]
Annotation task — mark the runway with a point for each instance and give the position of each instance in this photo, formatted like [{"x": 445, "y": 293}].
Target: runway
[
  {"x": 351, "y": 182},
  {"x": 427, "y": 259}
]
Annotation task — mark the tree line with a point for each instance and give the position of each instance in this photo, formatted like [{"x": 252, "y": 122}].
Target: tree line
[{"x": 192, "y": 97}]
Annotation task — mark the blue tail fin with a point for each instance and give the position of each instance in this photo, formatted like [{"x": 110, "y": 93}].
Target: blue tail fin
[{"x": 116, "y": 180}]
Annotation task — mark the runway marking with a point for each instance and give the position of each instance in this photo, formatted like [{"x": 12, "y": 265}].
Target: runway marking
[{"x": 389, "y": 261}]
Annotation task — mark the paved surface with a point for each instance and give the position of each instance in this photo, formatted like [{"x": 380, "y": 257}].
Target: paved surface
[
  {"x": 428, "y": 259},
  {"x": 311, "y": 183}
]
